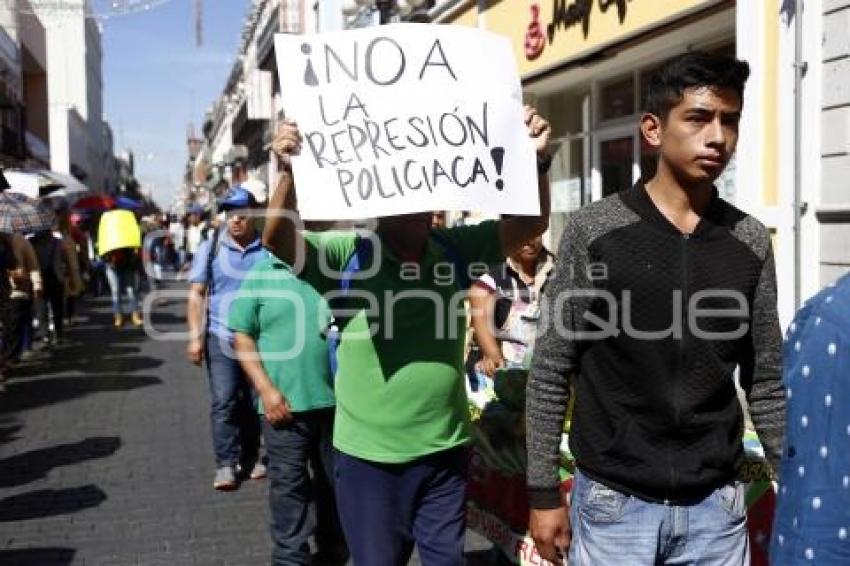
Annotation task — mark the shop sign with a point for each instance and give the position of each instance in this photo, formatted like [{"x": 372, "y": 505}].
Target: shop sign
[
  {"x": 535, "y": 41},
  {"x": 566, "y": 14},
  {"x": 558, "y": 31}
]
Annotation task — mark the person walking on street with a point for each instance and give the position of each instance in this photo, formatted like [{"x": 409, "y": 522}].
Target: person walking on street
[
  {"x": 122, "y": 275},
  {"x": 195, "y": 229},
  {"x": 217, "y": 272},
  {"x": 660, "y": 292},
  {"x": 402, "y": 422},
  {"x": 26, "y": 289},
  {"x": 8, "y": 268},
  {"x": 279, "y": 325},
  {"x": 73, "y": 283},
  {"x": 53, "y": 261}
]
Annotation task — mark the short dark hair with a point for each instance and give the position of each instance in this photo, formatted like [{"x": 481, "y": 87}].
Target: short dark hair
[{"x": 693, "y": 69}]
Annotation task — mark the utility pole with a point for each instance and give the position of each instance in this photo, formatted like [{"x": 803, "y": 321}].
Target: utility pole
[
  {"x": 385, "y": 10},
  {"x": 199, "y": 22}
]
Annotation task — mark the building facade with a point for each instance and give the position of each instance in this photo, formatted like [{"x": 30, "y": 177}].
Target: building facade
[
  {"x": 75, "y": 91},
  {"x": 831, "y": 219},
  {"x": 585, "y": 65},
  {"x": 24, "y": 132}
]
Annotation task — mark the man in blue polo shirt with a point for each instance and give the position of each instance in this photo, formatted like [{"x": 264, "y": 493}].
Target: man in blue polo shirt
[{"x": 218, "y": 269}]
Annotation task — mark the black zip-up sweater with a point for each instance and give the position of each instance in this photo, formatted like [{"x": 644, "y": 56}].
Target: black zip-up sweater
[{"x": 656, "y": 413}]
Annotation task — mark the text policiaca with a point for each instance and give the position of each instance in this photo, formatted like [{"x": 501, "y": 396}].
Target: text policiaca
[{"x": 347, "y": 143}]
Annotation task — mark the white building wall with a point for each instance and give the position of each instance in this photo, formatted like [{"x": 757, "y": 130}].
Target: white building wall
[
  {"x": 835, "y": 139},
  {"x": 754, "y": 39},
  {"x": 94, "y": 105},
  {"x": 812, "y": 130},
  {"x": 75, "y": 84}
]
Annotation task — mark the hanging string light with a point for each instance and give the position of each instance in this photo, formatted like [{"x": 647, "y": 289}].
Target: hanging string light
[{"x": 95, "y": 9}]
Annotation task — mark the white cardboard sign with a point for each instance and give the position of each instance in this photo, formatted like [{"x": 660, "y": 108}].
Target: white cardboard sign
[{"x": 407, "y": 118}]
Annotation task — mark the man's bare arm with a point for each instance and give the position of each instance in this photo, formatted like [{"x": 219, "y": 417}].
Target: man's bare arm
[
  {"x": 196, "y": 320},
  {"x": 275, "y": 405},
  {"x": 280, "y": 235}
]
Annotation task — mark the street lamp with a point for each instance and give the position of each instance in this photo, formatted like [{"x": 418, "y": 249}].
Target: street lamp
[{"x": 385, "y": 8}]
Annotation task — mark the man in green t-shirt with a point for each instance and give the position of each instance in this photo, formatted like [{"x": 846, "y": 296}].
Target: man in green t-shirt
[
  {"x": 278, "y": 323},
  {"x": 402, "y": 421}
]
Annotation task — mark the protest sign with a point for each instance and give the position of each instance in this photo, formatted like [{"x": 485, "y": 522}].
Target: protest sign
[{"x": 407, "y": 118}]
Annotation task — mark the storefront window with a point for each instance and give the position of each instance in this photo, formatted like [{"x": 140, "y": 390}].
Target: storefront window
[
  {"x": 617, "y": 98},
  {"x": 615, "y": 164},
  {"x": 568, "y": 189}
]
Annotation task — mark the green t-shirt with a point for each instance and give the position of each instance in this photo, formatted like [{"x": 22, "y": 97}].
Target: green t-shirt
[
  {"x": 400, "y": 393},
  {"x": 288, "y": 319}
]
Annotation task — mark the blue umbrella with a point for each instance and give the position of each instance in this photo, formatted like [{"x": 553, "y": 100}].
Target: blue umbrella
[{"x": 127, "y": 203}]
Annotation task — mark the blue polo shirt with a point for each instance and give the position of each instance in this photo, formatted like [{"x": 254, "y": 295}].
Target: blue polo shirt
[
  {"x": 231, "y": 265},
  {"x": 812, "y": 524}
]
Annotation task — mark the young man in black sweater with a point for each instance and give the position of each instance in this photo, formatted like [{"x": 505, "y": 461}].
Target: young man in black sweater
[{"x": 660, "y": 293}]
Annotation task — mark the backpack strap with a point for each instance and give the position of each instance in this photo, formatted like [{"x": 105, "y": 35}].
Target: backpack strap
[
  {"x": 215, "y": 245},
  {"x": 362, "y": 256}
]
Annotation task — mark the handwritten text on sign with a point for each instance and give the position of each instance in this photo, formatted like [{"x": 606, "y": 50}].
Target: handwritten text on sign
[{"x": 407, "y": 118}]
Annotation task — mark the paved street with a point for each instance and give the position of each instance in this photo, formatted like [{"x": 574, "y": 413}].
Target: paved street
[{"x": 105, "y": 457}]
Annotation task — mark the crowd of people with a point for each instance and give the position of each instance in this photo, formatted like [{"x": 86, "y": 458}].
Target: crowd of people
[
  {"x": 341, "y": 374},
  {"x": 43, "y": 275},
  {"x": 46, "y": 272},
  {"x": 366, "y": 425},
  {"x": 393, "y": 449}
]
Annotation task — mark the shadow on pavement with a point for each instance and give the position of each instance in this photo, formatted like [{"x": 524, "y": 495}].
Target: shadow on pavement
[
  {"x": 9, "y": 427},
  {"x": 85, "y": 363},
  {"x": 50, "y": 502},
  {"x": 22, "y": 395},
  {"x": 30, "y": 466},
  {"x": 90, "y": 350},
  {"x": 164, "y": 318},
  {"x": 54, "y": 556}
]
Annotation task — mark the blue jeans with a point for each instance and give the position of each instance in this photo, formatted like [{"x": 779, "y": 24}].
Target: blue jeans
[
  {"x": 233, "y": 416},
  {"x": 122, "y": 280},
  {"x": 290, "y": 447},
  {"x": 610, "y": 527},
  {"x": 385, "y": 508}
]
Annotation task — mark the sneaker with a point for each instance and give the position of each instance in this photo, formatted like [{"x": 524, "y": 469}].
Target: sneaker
[
  {"x": 258, "y": 472},
  {"x": 118, "y": 320},
  {"x": 225, "y": 479},
  {"x": 136, "y": 318}
]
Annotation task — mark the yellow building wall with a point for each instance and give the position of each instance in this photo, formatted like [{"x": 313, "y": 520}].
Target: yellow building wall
[
  {"x": 512, "y": 17},
  {"x": 770, "y": 110}
]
